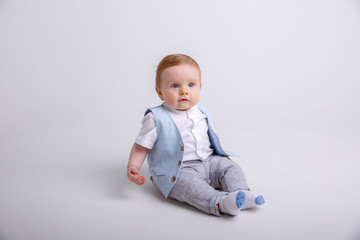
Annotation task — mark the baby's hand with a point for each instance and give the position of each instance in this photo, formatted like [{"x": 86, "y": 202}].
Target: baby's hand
[{"x": 134, "y": 175}]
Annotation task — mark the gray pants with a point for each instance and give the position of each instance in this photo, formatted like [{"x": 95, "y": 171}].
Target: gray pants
[{"x": 203, "y": 184}]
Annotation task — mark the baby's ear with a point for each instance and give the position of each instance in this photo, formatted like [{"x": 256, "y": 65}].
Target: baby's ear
[{"x": 159, "y": 93}]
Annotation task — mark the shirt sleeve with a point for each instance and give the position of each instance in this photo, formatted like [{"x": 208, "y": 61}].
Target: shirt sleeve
[{"x": 147, "y": 135}]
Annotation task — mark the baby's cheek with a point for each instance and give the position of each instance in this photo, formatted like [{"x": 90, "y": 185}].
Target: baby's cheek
[{"x": 173, "y": 90}]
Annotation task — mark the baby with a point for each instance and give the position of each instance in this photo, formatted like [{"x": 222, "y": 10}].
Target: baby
[{"x": 185, "y": 158}]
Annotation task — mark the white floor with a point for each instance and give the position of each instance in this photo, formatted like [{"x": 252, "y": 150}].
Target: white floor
[
  {"x": 280, "y": 78},
  {"x": 64, "y": 184}
]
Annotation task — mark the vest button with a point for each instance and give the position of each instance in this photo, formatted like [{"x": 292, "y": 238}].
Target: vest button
[
  {"x": 182, "y": 148},
  {"x": 173, "y": 179},
  {"x": 179, "y": 163}
]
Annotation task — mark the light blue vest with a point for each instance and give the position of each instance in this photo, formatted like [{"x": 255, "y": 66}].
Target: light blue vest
[{"x": 166, "y": 156}]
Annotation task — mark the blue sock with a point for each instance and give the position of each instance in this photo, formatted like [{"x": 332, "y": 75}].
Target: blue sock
[
  {"x": 259, "y": 200},
  {"x": 234, "y": 202},
  {"x": 240, "y": 199},
  {"x": 252, "y": 199}
]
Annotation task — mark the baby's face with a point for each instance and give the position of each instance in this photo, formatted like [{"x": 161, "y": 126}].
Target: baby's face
[{"x": 180, "y": 87}]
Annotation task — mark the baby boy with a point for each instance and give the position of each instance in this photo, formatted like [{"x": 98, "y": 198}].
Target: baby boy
[{"x": 185, "y": 158}]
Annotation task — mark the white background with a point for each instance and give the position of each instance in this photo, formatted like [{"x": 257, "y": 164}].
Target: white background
[{"x": 281, "y": 79}]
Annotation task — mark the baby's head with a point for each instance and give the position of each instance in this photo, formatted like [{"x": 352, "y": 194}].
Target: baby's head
[{"x": 178, "y": 81}]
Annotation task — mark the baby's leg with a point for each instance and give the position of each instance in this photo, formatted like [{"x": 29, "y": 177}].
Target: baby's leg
[
  {"x": 225, "y": 174},
  {"x": 228, "y": 175},
  {"x": 193, "y": 188}
]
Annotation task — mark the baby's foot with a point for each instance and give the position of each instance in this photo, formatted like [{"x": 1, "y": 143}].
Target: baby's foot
[
  {"x": 248, "y": 199},
  {"x": 239, "y": 200}
]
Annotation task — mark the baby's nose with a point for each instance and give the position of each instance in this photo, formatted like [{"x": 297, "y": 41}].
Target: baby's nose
[{"x": 184, "y": 90}]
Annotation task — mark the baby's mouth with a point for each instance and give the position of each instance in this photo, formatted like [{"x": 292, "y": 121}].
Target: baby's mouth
[{"x": 184, "y": 100}]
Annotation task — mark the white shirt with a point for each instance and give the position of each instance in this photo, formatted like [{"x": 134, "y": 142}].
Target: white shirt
[{"x": 193, "y": 127}]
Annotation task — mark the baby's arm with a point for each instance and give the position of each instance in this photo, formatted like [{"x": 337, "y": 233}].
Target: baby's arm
[{"x": 137, "y": 157}]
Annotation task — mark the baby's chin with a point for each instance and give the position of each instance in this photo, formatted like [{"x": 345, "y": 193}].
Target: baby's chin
[
  {"x": 184, "y": 107},
  {"x": 181, "y": 106}
]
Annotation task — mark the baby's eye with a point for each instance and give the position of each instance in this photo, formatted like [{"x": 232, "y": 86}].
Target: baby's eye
[
  {"x": 175, "y": 85},
  {"x": 191, "y": 84}
]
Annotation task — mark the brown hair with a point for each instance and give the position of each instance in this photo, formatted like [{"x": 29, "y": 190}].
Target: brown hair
[{"x": 174, "y": 60}]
